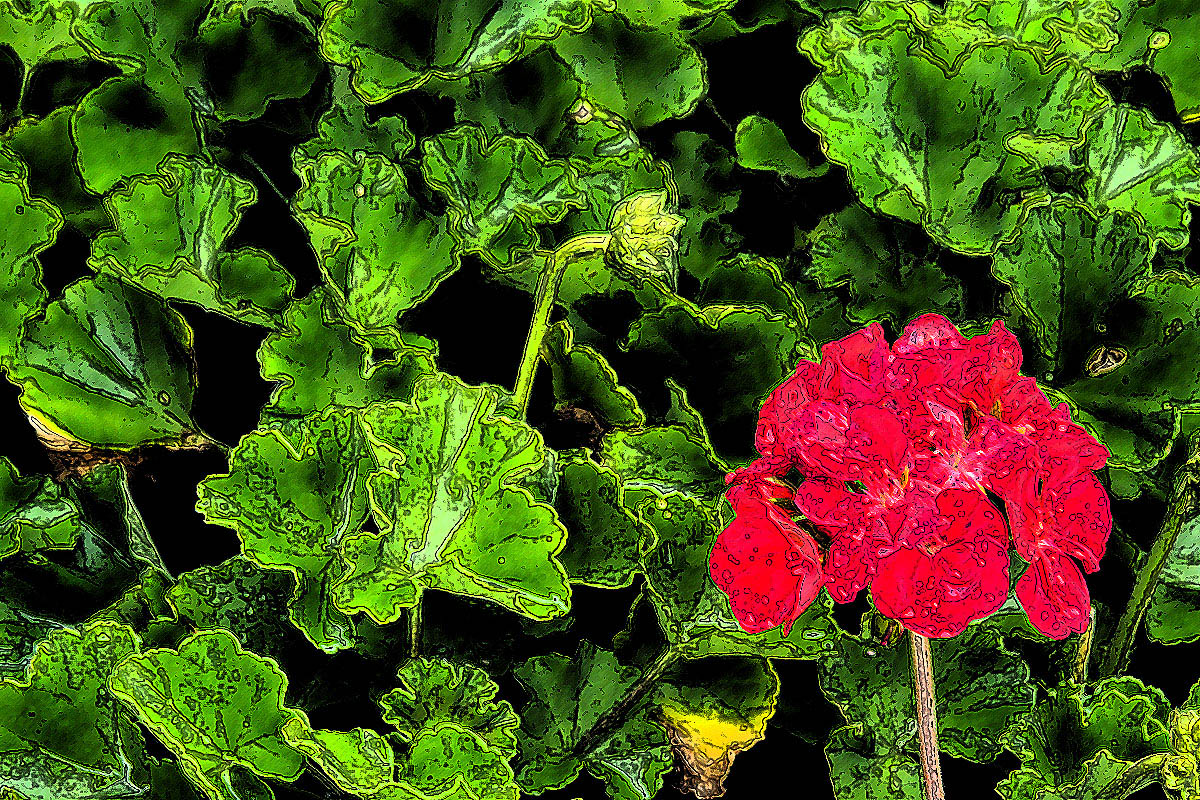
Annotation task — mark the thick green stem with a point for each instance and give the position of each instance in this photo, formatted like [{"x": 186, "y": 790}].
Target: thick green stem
[
  {"x": 1137, "y": 776},
  {"x": 610, "y": 720},
  {"x": 414, "y": 629},
  {"x": 1184, "y": 504},
  {"x": 926, "y": 701},
  {"x": 547, "y": 291}
]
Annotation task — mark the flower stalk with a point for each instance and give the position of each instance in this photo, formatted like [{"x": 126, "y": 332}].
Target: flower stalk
[
  {"x": 415, "y": 624},
  {"x": 1183, "y": 505},
  {"x": 573, "y": 249},
  {"x": 926, "y": 701}
]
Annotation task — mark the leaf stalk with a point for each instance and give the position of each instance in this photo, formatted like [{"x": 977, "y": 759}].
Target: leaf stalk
[
  {"x": 926, "y": 701},
  {"x": 610, "y": 720},
  {"x": 1184, "y": 504},
  {"x": 573, "y": 249}
]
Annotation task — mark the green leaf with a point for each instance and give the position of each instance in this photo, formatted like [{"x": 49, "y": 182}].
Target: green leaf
[
  {"x": 20, "y": 632},
  {"x": 940, "y": 124},
  {"x": 568, "y": 696},
  {"x": 378, "y": 40},
  {"x": 30, "y": 226},
  {"x": 1173, "y": 616},
  {"x": 450, "y": 514},
  {"x": 215, "y": 706},
  {"x": 167, "y": 52},
  {"x": 1078, "y": 739},
  {"x": 703, "y": 171},
  {"x": 713, "y": 709},
  {"x": 642, "y": 76},
  {"x": 108, "y": 365},
  {"x": 751, "y": 349},
  {"x": 664, "y": 460},
  {"x": 669, "y": 13},
  {"x": 1143, "y": 167},
  {"x": 45, "y": 147},
  {"x": 35, "y": 514},
  {"x": 857, "y": 772},
  {"x": 294, "y": 494},
  {"x": 888, "y": 269},
  {"x": 605, "y": 540},
  {"x": 584, "y": 379},
  {"x": 1051, "y": 30},
  {"x": 1133, "y": 398},
  {"x": 380, "y": 252},
  {"x": 345, "y": 127},
  {"x": 762, "y": 145},
  {"x": 238, "y": 596},
  {"x": 693, "y": 613},
  {"x": 498, "y": 189},
  {"x": 433, "y": 691},
  {"x": 319, "y": 361},
  {"x": 169, "y": 239},
  {"x": 38, "y": 34},
  {"x": 1142, "y": 26},
  {"x": 1066, "y": 270},
  {"x": 359, "y": 761},
  {"x": 448, "y": 760},
  {"x": 62, "y": 734},
  {"x": 982, "y": 688}
]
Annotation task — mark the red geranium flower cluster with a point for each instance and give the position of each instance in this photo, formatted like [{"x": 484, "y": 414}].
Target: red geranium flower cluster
[{"x": 896, "y": 446}]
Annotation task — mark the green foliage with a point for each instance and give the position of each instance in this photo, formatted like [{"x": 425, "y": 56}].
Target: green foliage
[{"x": 278, "y": 260}]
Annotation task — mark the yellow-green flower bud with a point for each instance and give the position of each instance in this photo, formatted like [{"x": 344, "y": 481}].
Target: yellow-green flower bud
[{"x": 645, "y": 236}]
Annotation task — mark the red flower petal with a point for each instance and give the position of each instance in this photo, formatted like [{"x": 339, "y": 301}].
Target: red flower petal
[
  {"x": 943, "y": 583},
  {"x": 764, "y": 562},
  {"x": 1072, "y": 515},
  {"x": 798, "y": 391},
  {"x": 1055, "y": 595},
  {"x": 863, "y": 443},
  {"x": 855, "y": 366}
]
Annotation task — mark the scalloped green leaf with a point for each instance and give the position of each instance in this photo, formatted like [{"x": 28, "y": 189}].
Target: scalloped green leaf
[
  {"x": 1173, "y": 616},
  {"x": 44, "y": 146},
  {"x": 1132, "y": 396},
  {"x": 108, "y": 365},
  {"x": 664, "y": 460},
  {"x": 702, "y": 169},
  {"x": 294, "y": 494},
  {"x": 38, "y": 34},
  {"x": 498, "y": 189},
  {"x": 62, "y": 733},
  {"x": 451, "y": 514},
  {"x": 692, "y": 612},
  {"x": 983, "y": 687},
  {"x": 378, "y": 40},
  {"x": 762, "y": 145},
  {"x": 669, "y": 13},
  {"x": 584, "y": 379},
  {"x": 359, "y": 761},
  {"x": 30, "y": 226},
  {"x": 1143, "y": 167},
  {"x": 888, "y": 269},
  {"x": 318, "y": 361},
  {"x": 214, "y": 705},
  {"x": 1066, "y": 269},
  {"x": 169, "y": 237},
  {"x": 448, "y": 760},
  {"x": 346, "y": 127},
  {"x": 858, "y": 772},
  {"x": 752, "y": 349},
  {"x": 1142, "y": 26},
  {"x": 35, "y": 514},
  {"x": 1052, "y": 30},
  {"x": 940, "y": 123},
  {"x": 238, "y": 596},
  {"x": 434, "y": 690},
  {"x": 568, "y": 696},
  {"x": 380, "y": 252},
  {"x": 1079, "y": 738},
  {"x": 184, "y": 65},
  {"x": 605, "y": 540},
  {"x": 644, "y": 76}
]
